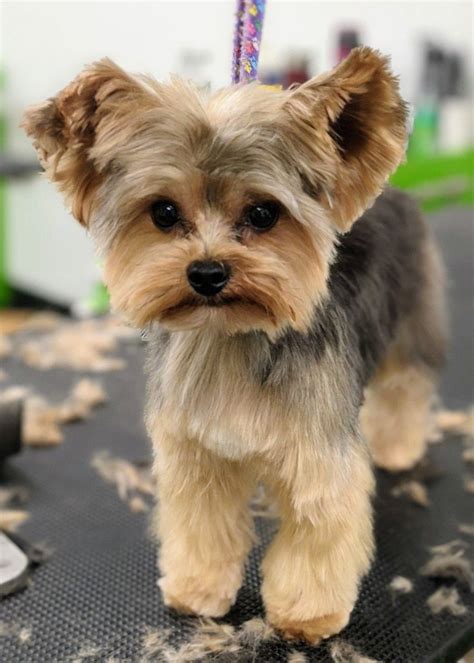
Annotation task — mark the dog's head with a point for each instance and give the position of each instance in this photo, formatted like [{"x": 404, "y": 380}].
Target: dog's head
[{"x": 221, "y": 210}]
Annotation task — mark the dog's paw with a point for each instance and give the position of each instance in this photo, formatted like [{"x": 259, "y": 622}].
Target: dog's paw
[
  {"x": 396, "y": 459},
  {"x": 197, "y": 603},
  {"x": 209, "y": 595},
  {"x": 313, "y": 630}
]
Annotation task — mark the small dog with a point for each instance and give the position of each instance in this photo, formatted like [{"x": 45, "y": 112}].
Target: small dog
[{"x": 233, "y": 228}]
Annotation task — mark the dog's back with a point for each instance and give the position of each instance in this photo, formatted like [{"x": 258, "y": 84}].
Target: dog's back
[{"x": 386, "y": 276}]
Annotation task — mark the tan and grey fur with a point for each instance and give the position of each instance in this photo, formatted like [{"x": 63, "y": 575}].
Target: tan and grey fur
[{"x": 266, "y": 381}]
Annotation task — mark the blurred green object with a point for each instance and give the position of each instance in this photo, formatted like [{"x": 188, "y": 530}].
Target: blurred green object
[
  {"x": 95, "y": 304},
  {"x": 425, "y": 129},
  {"x": 98, "y": 302},
  {"x": 438, "y": 180},
  {"x": 4, "y": 288}
]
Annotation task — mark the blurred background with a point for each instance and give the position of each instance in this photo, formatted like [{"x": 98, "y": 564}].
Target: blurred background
[{"x": 45, "y": 257}]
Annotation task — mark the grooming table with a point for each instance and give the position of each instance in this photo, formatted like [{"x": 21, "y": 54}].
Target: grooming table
[{"x": 95, "y": 597}]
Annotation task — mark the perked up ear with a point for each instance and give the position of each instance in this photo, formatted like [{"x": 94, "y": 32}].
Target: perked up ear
[
  {"x": 64, "y": 129},
  {"x": 351, "y": 129}
]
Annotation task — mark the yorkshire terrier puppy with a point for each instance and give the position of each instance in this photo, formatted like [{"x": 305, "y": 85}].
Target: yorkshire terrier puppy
[{"x": 292, "y": 332}]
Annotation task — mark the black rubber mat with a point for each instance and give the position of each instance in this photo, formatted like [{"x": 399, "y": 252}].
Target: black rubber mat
[{"x": 97, "y": 594}]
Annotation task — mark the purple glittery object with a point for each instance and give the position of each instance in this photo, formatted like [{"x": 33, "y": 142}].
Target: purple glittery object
[
  {"x": 238, "y": 38},
  {"x": 248, "y": 34}
]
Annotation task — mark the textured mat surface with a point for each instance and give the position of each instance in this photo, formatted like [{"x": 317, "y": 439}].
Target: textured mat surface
[{"x": 96, "y": 596}]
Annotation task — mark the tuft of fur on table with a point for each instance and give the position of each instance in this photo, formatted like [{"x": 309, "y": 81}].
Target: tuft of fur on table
[
  {"x": 344, "y": 652},
  {"x": 81, "y": 346},
  {"x": 42, "y": 420},
  {"x": 297, "y": 657},
  {"x": 401, "y": 585},
  {"x": 5, "y": 346},
  {"x": 10, "y": 629},
  {"x": 448, "y": 561},
  {"x": 11, "y": 519},
  {"x": 414, "y": 491},
  {"x": 131, "y": 481},
  {"x": 459, "y": 422},
  {"x": 210, "y": 640},
  {"x": 446, "y": 598}
]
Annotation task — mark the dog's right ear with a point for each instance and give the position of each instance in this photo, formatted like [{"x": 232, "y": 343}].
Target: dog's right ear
[
  {"x": 65, "y": 128},
  {"x": 351, "y": 129}
]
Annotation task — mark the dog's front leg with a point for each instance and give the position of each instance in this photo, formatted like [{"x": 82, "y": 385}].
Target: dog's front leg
[
  {"x": 313, "y": 568},
  {"x": 203, "y": 524}
]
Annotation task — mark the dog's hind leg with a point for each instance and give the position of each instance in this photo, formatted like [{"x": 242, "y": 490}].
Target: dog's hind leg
[{"x": 396, "y": 417}]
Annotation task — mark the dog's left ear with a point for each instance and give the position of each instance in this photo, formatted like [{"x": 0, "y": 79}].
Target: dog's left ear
[
  {"x": 351, "y": 130},
  {"x": 94, "y": 110}
]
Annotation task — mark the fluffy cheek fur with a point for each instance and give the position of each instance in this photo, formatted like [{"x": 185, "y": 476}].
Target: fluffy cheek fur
[{"x": 276, "y": 277}]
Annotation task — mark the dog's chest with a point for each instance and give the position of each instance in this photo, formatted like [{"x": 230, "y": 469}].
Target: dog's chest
[{"x": 211, "y": 392}]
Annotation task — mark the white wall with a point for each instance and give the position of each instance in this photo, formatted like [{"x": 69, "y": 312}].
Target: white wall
[{"x": 46, "y": 43}]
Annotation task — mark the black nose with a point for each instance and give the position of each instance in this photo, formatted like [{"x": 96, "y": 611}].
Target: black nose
[{"x": 208, "y": 277}]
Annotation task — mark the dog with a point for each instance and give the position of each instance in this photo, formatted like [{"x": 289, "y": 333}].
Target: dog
[{"x": 294, "y": 306}]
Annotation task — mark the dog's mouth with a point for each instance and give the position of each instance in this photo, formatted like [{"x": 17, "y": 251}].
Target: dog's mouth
[
  {"x": 208, "y": 302},
  {"x": 216, "y": 302},
  {"x": 236, "y": 312}
]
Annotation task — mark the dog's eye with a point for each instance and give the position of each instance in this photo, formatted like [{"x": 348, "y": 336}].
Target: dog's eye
[
  {"x": 263, "y": 216},
  {"x": 164, "y": 214}
]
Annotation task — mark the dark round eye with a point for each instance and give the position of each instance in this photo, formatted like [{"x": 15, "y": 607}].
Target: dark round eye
[
  {"x": 164, "y": 214},
  {"x": 263, "y": 216}
]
